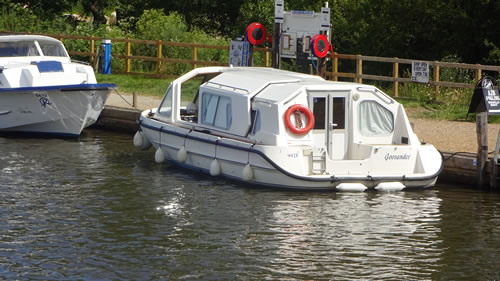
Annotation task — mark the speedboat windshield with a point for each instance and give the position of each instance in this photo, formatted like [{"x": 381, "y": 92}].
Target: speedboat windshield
[
  {"x": 52, "y": 49},
  {"x": 28, "y": 48},
  {"x": 18, "y": 49}
]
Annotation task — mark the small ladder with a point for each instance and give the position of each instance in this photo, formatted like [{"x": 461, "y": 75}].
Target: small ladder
[{"x": 318, "y": 162}]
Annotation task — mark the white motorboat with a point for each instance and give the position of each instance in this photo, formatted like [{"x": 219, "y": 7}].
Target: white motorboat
[
  {"x": 288, "y": 130},
  {"x": 43, "y": 92}
]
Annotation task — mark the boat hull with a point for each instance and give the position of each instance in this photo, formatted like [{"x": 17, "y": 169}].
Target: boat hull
[
  {"x": 62, "y": 111},
  {"x": 264, "y": 165}
]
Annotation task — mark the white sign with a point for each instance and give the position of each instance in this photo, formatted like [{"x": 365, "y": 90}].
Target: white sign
[
  {"x": 325, "y": 19},
  {"x": 239, "y": 53},
  {"x": 420, "y": 71},
  {"x": 279, "y": 11}
]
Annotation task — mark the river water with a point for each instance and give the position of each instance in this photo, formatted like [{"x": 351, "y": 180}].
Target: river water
[{"x": 97, "y": 209}]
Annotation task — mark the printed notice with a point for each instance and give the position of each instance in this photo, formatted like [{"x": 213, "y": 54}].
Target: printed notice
[{"x": 420, "y": 71}]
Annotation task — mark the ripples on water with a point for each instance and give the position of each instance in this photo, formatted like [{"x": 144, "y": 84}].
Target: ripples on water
[{"x": 95, "y": 208}]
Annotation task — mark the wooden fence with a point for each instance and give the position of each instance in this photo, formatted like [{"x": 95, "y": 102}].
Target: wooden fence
[
  {"x": 356, "y": 75},
  {"x": 436, "y": 66}
]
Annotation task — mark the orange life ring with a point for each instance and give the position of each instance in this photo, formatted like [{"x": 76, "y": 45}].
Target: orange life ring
[{"x": 297, "y": 128}]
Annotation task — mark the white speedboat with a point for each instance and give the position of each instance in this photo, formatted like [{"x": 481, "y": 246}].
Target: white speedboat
[
  {"x": 288, "y": 130},
  {"x": 43, "y": 92}
]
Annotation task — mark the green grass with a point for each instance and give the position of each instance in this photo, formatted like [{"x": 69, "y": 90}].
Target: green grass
[{"x": 127, "y": 84}]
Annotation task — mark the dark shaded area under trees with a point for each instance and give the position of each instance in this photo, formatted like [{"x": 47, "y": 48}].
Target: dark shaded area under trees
[{"x": 463, "y": 30}]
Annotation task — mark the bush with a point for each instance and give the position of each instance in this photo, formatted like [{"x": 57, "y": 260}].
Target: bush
[
  {"x": 10, "y": 13},
  {"x": 155, "y": 25}
]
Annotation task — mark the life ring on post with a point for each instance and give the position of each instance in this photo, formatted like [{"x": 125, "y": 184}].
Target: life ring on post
[
  {"x": 256, "y": 33},
  {"x": 320, "y": 45},
  {"x": 297, "y": 128}
]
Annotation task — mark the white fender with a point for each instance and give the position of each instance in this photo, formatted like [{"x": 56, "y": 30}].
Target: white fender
[
  {"x": 390, "y": 186},
  {"x": 140, "y": 141},
  {"x": 182, "y": 155},
  {"x": 351, "y": 187},
  {"x": 159, "y": 155},
  {"x": 247, "y": 173},
  {"x": 215, "y": 168}
]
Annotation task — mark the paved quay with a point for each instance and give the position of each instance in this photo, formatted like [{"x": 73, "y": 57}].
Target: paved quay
[{"x": 447, "y": 136}]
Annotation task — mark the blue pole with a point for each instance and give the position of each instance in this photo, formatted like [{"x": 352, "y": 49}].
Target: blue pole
[{"x": 106, "y": 60}]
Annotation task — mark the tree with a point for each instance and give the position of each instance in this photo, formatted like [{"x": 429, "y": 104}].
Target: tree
[{"x": 46, "y": 9}]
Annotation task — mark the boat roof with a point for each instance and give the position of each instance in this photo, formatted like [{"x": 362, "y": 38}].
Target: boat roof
[
  {"x": 272, "y": 85},
  {"x": 15, "y": 38}
]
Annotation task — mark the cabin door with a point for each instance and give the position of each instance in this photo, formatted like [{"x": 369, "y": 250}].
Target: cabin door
[{"x": 330, "y": 113}]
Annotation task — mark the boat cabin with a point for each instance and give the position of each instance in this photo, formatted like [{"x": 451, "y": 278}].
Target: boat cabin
[{"x": 252, "y": 105}]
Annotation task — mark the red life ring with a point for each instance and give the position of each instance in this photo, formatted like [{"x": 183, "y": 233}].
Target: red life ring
[
  {"x": 256, "y": 33},
  {"x": 297, "y": 128},
  {"x": 320, "y": 45}
]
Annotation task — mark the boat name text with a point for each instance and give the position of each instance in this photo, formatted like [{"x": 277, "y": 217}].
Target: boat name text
[{"x": 397, "y": 157}]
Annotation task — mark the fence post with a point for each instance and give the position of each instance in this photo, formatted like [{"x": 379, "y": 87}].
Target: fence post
[
  {"x": 479, "y": 73},
  {"x": 195, "y": 57},
  {"x": 396, "y": 76},
  {"x": 92, "y": 51},
  {"x": 267, "y": 57},
  {"x": 335, "y": 69},
  {"x": 159, "y": 55},
  {"x": 436, "y": 79},
  {"x": 359, "y": 69},
  {"x": 127, "y": 55}
]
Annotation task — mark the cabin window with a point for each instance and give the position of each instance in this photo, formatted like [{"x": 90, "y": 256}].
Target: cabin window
[
  {"x": 338, "y": 118},
  {"x": 374, "y": 119},
  {"x": 319, "y": 110},
  {"x": 165, "y": 109},
  {"x": 216, "y": 111},
  {"x": 256, "y": 122}
]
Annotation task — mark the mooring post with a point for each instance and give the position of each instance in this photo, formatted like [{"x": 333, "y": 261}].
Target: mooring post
[
  {"x": 482, "y": 147},
  {"x": 494, "y": 164},
  {"x": 134, "y": 99}
]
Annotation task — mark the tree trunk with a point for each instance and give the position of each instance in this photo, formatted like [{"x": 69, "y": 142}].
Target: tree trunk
[{"x": 97, "y": 10}]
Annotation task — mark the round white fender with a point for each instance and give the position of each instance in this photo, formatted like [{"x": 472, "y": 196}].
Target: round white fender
[
  {"x": 182, "y": 154},
  {"x": 247, "y": 173},
  {"x": 140, "y": 141},
  {"x": 215, "y": 168},
  {"x": 159, "y": 155},
  {"x": 390, "y": 186},
  {"x": 351, "y": 187}
]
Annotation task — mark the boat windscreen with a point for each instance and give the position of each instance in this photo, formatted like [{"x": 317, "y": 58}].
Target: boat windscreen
[
  {"x": 52, "y": 49},
  {"x": 18, "y": 49}
]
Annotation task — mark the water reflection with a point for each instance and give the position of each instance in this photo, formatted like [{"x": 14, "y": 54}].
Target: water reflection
[{"x": 96, "y": 208}]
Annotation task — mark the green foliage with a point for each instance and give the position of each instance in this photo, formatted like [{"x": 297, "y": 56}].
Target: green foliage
[
  {"x": 10, "y": 13},
  {"x": 155, "y": 25}
]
